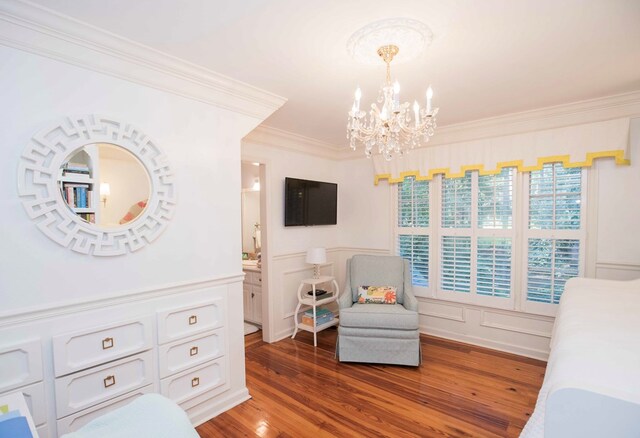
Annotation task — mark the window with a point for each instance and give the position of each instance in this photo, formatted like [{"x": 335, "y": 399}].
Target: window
[
  {"x": 460, "y": 236},
  {"x": 413, "y": 228},
  {"x": 555, "y": 232},
  {"x": 477, "y": 237}
]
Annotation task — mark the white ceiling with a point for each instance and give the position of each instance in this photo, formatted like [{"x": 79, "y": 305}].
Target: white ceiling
[{"x": 488, "y": 58}]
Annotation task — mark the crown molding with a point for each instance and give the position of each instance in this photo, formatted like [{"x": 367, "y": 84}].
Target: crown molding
[
  {"x": 558, "y": 116},
  {"x": 575, "y": 113},
  {"x": 268, "y": 136},
  {"x": 35, "y": 29}
]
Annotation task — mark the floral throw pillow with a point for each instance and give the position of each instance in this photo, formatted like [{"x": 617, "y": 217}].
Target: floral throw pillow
[{"x": 376, "y": 295}]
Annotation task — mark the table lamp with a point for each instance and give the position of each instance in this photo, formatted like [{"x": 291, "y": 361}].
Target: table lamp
[{"x": 315, "y": 257}]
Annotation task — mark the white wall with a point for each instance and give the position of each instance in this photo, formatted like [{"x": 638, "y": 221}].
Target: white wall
[
  {"x": 200, "y": 242},
  {"x": 618, "y": 218},
  {"x": 364, "y": 226},
  {"x": 45, "y": 289},
  {"x": 287, "y": 246},
  {"x": 364, "y": 216}
]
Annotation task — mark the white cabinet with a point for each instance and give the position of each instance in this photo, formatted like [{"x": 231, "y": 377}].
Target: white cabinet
[
  {"x": 76, "y": 366},
  {"x": 21, "y": 370},
  {"x": 194, "y": 364},
  {"x": 252, "y": 296},
  {"x": 99, "y": 368}
]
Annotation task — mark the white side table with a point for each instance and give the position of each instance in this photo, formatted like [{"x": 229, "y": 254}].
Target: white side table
[{"x": 313, "y": 302}]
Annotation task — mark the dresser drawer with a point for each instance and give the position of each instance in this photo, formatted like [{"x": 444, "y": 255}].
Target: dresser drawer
[
  {"x": 180, "y": 355},
  {"x": 88, "y": 388},
  {"x": 181, "y": 322},
  {"x": 83, "y": 349},
  {"x": 76, "y": 421},
  {"x": 20, "y": 364},
  {"x": 195, "y": 381},
  {"x": 34, "y": 396}
]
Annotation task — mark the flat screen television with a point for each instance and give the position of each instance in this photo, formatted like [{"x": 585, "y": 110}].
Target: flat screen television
[{"x": 310, "y": 203}]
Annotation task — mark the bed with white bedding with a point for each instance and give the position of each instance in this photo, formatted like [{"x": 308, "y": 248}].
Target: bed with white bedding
[{"x": 592, "y": 382}]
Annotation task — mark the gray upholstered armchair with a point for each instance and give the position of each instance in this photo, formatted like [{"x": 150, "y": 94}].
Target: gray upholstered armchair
[{"x": 378, "y": 333}]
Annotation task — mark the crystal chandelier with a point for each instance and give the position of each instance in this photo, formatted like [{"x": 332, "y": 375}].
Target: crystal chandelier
[{"x": 394, "y": 128}]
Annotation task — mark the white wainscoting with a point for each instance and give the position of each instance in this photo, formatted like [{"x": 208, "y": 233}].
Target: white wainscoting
[
  {"x": 609, "y": 270},
  {"x": 53, "y": 321},
  {"x": 289, "y": 269},
  {"x": 514, "y": 332}
]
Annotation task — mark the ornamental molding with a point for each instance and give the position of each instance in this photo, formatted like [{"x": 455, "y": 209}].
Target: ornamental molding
[
  {"x": 38, "y": 171},
  {"x": 41, "y": 31}
]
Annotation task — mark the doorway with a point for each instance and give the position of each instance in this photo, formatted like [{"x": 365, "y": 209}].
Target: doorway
[{"x": 252, "y": 175}]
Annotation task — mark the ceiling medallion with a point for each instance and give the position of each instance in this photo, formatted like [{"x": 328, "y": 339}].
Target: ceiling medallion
[{"x": 391, "y": 129}]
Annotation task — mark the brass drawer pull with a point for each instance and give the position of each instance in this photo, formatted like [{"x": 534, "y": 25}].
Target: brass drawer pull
[
  {"x": 195, "y": 382},
  {"x": 193, "y": 351},
  {"x": 193, "y": 319},
  {"x": 107, "y": 343},
  {"x": 109, "y": 381}
]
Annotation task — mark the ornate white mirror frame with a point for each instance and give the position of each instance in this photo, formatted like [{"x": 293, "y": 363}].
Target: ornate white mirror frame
[{"x": 38, "y": 187}]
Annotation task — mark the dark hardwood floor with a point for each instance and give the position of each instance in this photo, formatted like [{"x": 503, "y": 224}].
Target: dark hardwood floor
[{"x": 459, "y": 390}]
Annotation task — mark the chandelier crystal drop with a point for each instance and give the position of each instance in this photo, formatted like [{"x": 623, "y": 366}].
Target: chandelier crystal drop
[{"x": 394, "y": 128}]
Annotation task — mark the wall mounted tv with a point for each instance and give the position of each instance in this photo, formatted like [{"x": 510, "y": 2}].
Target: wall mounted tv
[{"x": 310, "y": 202}]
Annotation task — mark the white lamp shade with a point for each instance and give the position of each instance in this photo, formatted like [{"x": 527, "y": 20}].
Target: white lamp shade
[
  {"x": 316, "y": 256},
  {"x": 105, "y": 190}
]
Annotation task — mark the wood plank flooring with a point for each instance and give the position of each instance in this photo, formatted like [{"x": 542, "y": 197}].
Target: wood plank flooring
[{"x": 459, "y": 390}]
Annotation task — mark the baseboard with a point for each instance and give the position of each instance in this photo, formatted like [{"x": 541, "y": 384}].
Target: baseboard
[
  {"x": 204, "y": 412},
  {"x": 282, "y": 334},
  {"x": 487, "y": 343}
]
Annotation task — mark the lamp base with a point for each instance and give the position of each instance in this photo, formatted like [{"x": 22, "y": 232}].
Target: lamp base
[{"x": 316, "y": 271}]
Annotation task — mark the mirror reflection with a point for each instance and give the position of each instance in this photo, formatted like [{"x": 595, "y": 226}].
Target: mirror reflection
[{"x": 104, "y": 184}]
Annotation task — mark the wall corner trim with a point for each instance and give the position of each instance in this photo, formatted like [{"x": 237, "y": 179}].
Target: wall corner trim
[{"x": 41, "y": 31}]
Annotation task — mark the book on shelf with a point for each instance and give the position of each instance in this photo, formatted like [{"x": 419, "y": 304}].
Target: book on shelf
[
  {"x": 321, "y": 311},
  {"x": 77, "y": 195},
  {"x": 308, "y": 320},
  {"x": 89, "y": 217},
  {"x": 323, "y": 316},
  {"x": 76, "y": 168}
]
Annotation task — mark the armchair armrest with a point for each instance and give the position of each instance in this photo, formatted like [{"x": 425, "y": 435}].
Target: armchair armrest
[
  {"x": 346, "y": 297},
  {"x": 409, "y": 301}
]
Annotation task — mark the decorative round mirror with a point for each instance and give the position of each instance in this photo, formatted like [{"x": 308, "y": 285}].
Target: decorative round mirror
[{"x": 96, "y": 185}]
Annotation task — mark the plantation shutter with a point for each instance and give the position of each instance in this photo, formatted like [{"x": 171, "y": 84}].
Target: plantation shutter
[
  {"x": 551, "y": 262},
  {"x": 455, "y": 273},
  {"x": 415, "y": 248},
  {"x": 495, "y": 200},
  {"x": 456, "y": 202},
  {"x": 493, "y": 277},
  {"x": 553, "y": 252},
  {"x": 413, "y": 221}
]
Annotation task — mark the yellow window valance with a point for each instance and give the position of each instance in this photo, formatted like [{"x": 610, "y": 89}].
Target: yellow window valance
[{"x": 574, "y": 146}]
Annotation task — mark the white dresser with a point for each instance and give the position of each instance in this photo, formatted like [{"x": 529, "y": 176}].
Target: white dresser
[
  {"x": 21, "y": 370},
  {"x": 75, "y": 368},
  {"x": 193, "y": 363},
  {"x": 94, "y": 367}
]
